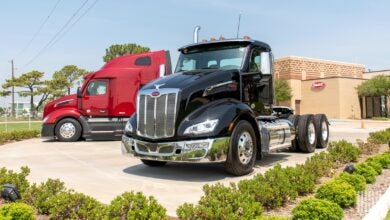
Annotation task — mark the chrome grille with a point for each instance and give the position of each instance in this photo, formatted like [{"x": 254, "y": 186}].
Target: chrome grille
[{"x": 156, "y": 115}]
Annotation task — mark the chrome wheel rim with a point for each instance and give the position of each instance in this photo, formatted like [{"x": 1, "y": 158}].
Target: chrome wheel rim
[
  {"x": 311, "y": 133},
  {"x": 245, "y": 147},
  {"x": 67, "y": 130},
  {"x": 324, "y": 131}
]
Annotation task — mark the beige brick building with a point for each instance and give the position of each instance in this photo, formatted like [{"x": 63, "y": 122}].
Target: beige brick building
[{"x": 322, "y": 86}]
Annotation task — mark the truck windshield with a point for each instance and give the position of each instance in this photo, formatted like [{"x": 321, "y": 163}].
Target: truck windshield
[{"x": 211, "y": 58}]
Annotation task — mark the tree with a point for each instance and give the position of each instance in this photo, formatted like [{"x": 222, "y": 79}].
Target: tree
[
  {"x": 5, "y": 93},
  {"x": 52, "y": 89},
  {"x": 118, "y": 50},
  {"x": 283, "y": 91},
  {"x": 31, "y": 81},
  {"x": 71, "y": 74},
  {"x": 377, "y": 86}
]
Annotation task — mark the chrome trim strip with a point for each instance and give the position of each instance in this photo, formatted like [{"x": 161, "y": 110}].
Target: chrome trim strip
[
  {"x": 208, "y": 89},
  {"x": 62, "y": 102},
  {"x": 215, "y": 151}
]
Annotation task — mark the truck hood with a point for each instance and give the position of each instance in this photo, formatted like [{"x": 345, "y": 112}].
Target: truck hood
[
  {"x": 194, "y": 84},
  {"x": 63, "y": 102}
]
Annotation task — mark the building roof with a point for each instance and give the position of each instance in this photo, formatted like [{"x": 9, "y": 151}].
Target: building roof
[
  {"x": 319, "y": 61},
  {"x": 227, "y": 41}
]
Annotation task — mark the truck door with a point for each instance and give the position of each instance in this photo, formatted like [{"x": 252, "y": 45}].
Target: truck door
[
  {"x": 96, "y": 98},
  {"x": 257, "y": 86}
]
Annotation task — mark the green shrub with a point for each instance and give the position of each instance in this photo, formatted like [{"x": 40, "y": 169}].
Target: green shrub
[
  {"x": 367, "y": 171},
  {"x": 221, "y": 202},
  {"x": 16, "y": 211},
  {"x": 261, "y": 190},
  {"x": 355, "y": 180},
  {"x": 376, "y": 165},
  {"x": 17, "y": 179},
  {"x": 132, "y": 205},
  {"x": 272, "y": 218},
  {"x": 379, "y": 137},
  {"x": 274, "y": 188},
  {"x": 343, "y": 151},
  {"x": 68, "y": 205},
  {"x": 278, "y": 179},
  {"x": 382, "y": 159},
  {"x": 312, "y": 208},
  {"x": 338, "y": 192},
  {"x": 300, "y": 179},
  {"x": 320, "y": 164},
  {"x": 38, "y": 195},
  {"x": 18, "y": 135}
]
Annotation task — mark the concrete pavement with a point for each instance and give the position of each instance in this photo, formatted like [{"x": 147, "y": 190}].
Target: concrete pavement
[{"x": 98, "y": 169}]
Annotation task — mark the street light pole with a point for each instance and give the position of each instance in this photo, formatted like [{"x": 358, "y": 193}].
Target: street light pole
[{"x": 13, "y": 90}]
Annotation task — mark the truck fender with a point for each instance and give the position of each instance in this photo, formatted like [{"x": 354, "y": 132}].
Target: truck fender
[
  {"x": 56, "y": 116},
  {"x": 227, "y": 111}
]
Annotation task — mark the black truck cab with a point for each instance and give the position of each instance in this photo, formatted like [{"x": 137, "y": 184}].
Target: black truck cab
[{"x": 217, "y": 107}]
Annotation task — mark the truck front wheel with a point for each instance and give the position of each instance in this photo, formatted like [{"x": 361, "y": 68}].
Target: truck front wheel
[
  {"x": 154, "y": 163},
  {"x": 242, "y": 152},
  {"x": 68, "y": 130}
]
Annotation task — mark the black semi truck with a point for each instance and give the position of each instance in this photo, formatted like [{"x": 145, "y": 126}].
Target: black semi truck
[{"x": 217, "y": 107}]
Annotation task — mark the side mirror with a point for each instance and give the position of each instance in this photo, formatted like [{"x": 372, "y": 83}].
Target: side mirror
[
  {"x": 265, "y": 63},
  {"x": 79, "y": 94},
  {"x": 162, "y": 70}
]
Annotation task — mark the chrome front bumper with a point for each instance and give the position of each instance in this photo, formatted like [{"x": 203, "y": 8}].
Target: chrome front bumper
[{"x": 206, "y": 150}]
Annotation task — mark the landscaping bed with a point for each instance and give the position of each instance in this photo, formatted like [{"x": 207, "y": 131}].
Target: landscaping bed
[
  {"x": 316, "y": 189},
  {"x": 18, "y": 135}
]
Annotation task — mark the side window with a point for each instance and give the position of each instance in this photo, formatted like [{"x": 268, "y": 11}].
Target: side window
[
  {"x": 254, "y": 64},
  {"x": 143, "y": 61},
  {"x": 97, "y": 87}
]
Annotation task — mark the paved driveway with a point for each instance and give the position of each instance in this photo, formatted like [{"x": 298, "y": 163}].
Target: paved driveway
[{"x": 98, "y": 169}]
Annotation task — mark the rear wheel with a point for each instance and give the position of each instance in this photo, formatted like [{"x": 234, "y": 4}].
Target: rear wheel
[
  {"x": 154, "y": 163},
  {"x": 322, "y": 130},
  {"x": 243, "y": 148},
  {"x": 68, "y": 130},
  {"x": 294, "y": 119},
  {"x": 306, "y": 134}
]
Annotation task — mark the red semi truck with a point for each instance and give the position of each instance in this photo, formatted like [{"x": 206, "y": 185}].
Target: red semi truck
[{"x": 102, "y": 106}]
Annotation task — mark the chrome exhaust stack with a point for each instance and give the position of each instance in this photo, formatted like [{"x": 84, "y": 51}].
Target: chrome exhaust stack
[{"x": 196, "y": 34}]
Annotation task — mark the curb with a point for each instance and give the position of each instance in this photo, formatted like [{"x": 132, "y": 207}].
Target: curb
[{"x": 381, "y": 207}]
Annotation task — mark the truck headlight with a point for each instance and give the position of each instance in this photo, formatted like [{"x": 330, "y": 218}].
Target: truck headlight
[
  {"x": 45, "y": 119},
  {"x": 203, "y": 127},
  {"x": 128, "y": 127}
]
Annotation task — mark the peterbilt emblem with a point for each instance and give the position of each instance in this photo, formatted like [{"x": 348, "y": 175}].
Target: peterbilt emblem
[
  {"x": 157, "y": 86},
  {"x": 155, "y": 93}
]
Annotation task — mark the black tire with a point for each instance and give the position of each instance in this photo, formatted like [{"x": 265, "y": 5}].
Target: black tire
[
  {"x": 74, "y": 135},
  {"x": 306, "y": 144},
  {"x": 294, "y": 119},
  {"x": 233, "y": 164},
  {"x": 154, "y": 163},
  {"x": 321, "y": 123}
]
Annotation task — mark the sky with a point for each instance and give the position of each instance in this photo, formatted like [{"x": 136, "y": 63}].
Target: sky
[{"x": 354, "y": 31}]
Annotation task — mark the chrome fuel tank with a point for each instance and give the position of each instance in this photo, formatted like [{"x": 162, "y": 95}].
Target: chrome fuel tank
[{"x": 275, "y": 133}]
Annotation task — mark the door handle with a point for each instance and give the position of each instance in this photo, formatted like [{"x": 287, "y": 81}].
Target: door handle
[{"x": 102, "y": 111}]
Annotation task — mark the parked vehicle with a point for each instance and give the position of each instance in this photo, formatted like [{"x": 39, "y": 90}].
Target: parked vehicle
[
  {"x": 106, "y": 100},
  {"x": 217, "y": 107}
]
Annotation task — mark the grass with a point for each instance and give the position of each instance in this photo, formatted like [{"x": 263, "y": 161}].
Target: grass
[
  {"x": 380, "y": 119},
  {"x": 35, "y": 125},
  {"x": 388, "y": 215}
]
